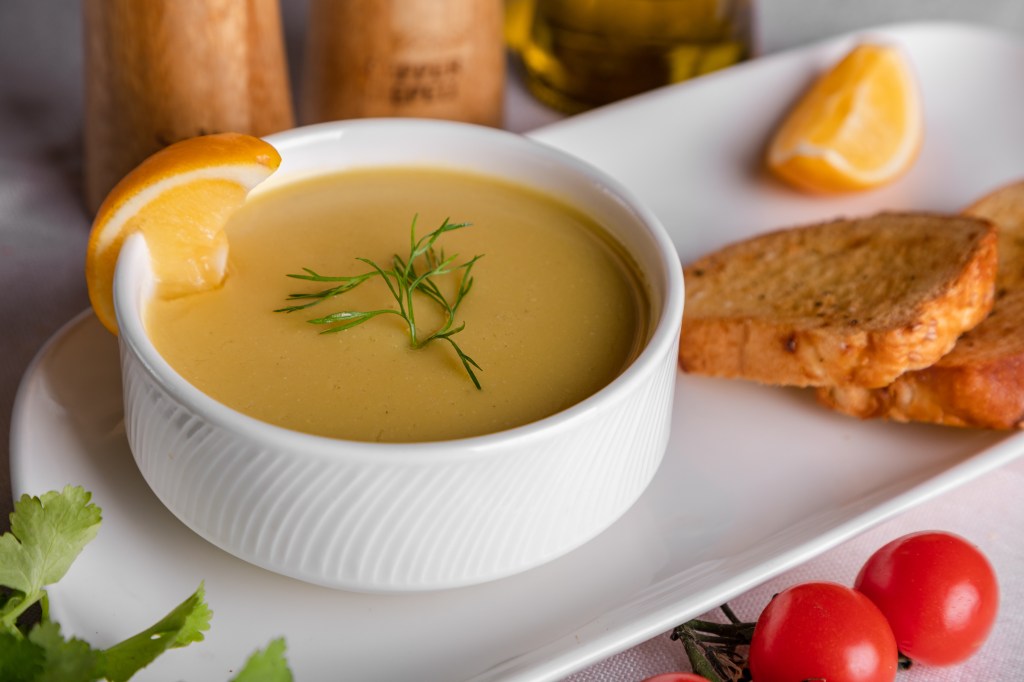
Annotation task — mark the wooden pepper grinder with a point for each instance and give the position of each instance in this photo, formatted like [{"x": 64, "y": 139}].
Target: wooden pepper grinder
[
  {"x": 417, "y": 58},
  {"x": 158, "y": 71}
]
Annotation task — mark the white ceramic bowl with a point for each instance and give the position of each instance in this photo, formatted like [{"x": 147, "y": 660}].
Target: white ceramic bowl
[{"x": 407, "y": 517}]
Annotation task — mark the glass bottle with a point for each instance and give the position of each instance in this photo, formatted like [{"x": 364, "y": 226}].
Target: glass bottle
[{"x": 578, "y": 54}]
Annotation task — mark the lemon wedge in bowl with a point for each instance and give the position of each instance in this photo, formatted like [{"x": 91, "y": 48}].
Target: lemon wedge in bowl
[{"x": 179, "y": 198}]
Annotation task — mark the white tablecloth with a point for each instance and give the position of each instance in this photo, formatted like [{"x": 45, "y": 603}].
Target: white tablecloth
[{"x": 43, "y": 231}]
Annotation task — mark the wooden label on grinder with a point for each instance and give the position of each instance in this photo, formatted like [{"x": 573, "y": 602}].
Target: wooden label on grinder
[{"x": 416, "y": 58}]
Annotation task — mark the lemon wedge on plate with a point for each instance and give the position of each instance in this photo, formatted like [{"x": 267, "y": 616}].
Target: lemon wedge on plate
[
  {"x": 859, "y": 126},
  {"x": 179, "y": 198}
]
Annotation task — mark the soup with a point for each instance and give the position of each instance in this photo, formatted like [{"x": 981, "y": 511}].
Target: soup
[{"x": 556, "y": 310}]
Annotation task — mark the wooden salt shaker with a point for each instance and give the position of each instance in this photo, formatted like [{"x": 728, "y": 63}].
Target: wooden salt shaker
[
  {"x": 416, "y": 58},
  {"x": 158, "y": 71}
]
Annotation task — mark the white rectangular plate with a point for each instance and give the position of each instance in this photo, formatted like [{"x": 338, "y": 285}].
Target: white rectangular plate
[{"x": 755, "y": 481}]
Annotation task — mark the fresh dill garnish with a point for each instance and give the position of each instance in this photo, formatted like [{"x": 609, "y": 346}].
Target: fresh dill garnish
[{"x": 403, "y": 280}]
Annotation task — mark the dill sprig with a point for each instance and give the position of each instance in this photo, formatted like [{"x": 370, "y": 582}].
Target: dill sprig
[{"x": 404, "y": 278}]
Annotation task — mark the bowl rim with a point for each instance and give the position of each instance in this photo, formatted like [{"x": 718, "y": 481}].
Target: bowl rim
[{"x": 133, "y": 265}]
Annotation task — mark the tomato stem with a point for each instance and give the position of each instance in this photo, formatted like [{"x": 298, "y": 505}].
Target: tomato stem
[
  {"x": 731, "y": 633},
  {"x": 712, "y": 647},
  {"x": 730, "y": 614},
  {"x": 698, "y": 658}
]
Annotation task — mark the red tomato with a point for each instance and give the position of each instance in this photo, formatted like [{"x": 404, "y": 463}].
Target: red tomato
[
  {"x": 677, "y": 677},
  {"x": 822, "y": 631},
  {"x": 938, "y": 592}
]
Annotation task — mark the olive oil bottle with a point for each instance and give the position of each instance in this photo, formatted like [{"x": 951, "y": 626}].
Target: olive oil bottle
[{"x": 578, "y": 54}]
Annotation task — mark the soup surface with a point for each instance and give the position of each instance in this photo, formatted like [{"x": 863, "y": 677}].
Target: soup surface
[{"x": 554, "y": 314}]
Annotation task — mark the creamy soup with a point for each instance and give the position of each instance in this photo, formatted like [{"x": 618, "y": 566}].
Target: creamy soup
[{"x": 556, "y": 310}]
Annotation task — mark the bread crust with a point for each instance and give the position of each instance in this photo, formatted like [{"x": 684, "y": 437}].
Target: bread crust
[
  {"x": 845, "y": 303},
  {"x": 980, "y": 383}
]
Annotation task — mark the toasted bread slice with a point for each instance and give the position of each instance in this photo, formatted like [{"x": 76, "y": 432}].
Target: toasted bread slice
[
  {"x": 980, "y": 383},
  {"x": 844, "y": 303}
]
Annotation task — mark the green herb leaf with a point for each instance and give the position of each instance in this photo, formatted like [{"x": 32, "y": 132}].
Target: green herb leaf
[
  {"x": 67, "y": 660},
  {"x": 182, "y": 626},
  {"x": 20, "y": 659},
  {"x": 348, "y": 319},
  {"x": 47, "y": 534},
  {"x": 266, "y": 665},
  {"x": 403, "y": 281}
]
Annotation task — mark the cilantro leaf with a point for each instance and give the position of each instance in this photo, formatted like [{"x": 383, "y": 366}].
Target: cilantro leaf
[
  {"x": 182, "y": 626},
  {"x": 20, "y": 659},
  {"x": 47, "y": 534},
  {"x": 67, "y": 660},
  {"x": 266, "y": 665}
]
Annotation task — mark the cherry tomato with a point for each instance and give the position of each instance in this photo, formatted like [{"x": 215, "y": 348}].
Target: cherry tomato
[
  {"x": 938, "y": 592},
  {"x": 677, "y": 677},
  {"x": 822, "y": 631}
]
